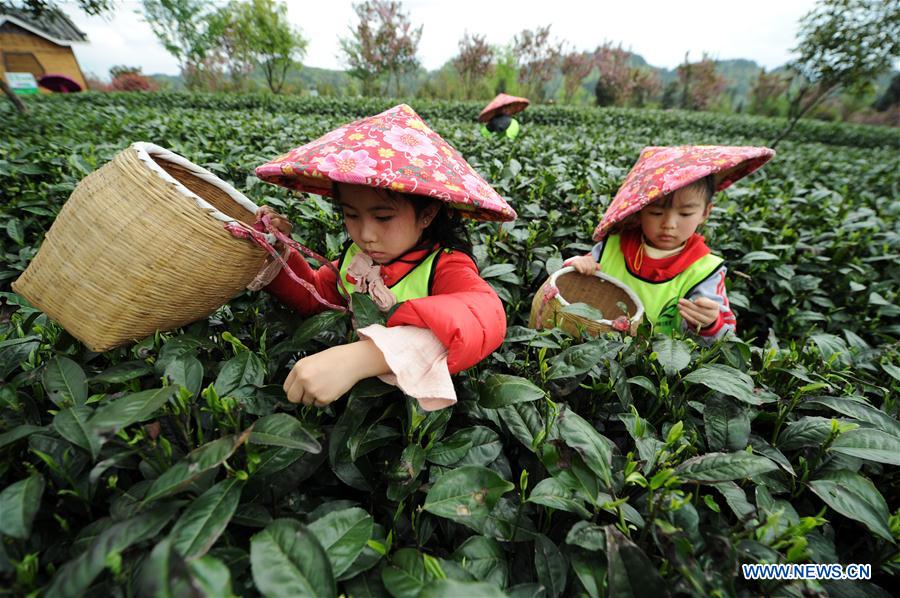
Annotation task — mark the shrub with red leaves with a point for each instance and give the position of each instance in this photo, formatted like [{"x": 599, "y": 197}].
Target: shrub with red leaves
[{"x": 133, "y": 82}]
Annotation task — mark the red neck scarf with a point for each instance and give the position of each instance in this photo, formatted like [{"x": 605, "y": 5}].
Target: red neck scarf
[{"x": 660, "y": 270}]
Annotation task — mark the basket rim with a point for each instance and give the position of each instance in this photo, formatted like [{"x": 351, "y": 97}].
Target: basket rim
[
  {"x": 611, "y": 279},
  {"x": 145, "y": 152}
]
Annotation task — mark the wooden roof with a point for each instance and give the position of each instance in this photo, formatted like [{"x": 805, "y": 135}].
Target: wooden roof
[{"x": 51, "y": 24}]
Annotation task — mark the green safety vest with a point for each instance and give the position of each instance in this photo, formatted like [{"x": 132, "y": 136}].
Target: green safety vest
[
  {"x": 660, "y": 299},
  {"x": 512, "y": 131},
  {"x": 414, "y": 285}
]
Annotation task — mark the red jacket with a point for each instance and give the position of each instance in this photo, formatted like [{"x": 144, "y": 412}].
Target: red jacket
[{"x": 463, "y": 311}]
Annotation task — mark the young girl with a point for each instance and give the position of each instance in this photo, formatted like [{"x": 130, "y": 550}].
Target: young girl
[
  {"x": 648, "y": 239},
  {"x": 401, "y": 190}
]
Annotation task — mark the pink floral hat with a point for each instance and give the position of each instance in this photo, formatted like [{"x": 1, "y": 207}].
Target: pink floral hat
[
  {"x": 660, "y": 171},
  {"x": 395, "y": 150},
  {"x": 505, "y": 104}
]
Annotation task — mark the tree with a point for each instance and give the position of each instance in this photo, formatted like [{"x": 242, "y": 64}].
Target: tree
[
  {"x": 891, "y": 96},
  {"x": 39, "y": 7},
  {"x": 575, "y": 66},
  {"x": 766, "y": 92},
  {"x": 614, "y": 85},
  {"x": 645, "y": 84},
  {"x": 537, "y": 58},
  {"x": 473, "y": 62},
  {"x": 130, "y": 78},
  {"x": 700, "y": 83},
  {"x": 182, "y": 27},
  {"x": 384, "y": 42},
  {"x": 843, "y": 44},
  {"x": 670, "y": 95},
  {"x": 257, "y": 32}
]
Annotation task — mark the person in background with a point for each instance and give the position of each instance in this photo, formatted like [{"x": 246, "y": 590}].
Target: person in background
[{"x": 496, "y": 117}]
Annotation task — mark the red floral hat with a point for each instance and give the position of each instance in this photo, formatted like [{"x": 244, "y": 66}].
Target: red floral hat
[
  {"x": 394, "y": 150},
  {"x": 505, "y": 104},
  {"x": 660, "y": 171}
]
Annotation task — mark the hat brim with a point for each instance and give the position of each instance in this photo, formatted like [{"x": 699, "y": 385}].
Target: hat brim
[{"x": 661, "y": 171}]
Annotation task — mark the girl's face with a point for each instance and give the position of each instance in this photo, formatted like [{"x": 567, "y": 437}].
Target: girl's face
[
  {"x": 669, "y": 227},
  {"x": 383, "y": 227}
]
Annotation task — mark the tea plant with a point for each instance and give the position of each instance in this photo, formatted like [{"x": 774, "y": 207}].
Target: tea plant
[{"x": 613, "y": 466}]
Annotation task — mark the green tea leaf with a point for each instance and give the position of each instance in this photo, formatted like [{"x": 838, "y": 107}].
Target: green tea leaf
[
  {"x": 727, "y": 425},
  {"x": 72, "y": 424},
  {"x": 19, "y": 503},
  {"x": 630, "y": 572},
  {"x": 75, "y": 577},
  {"x": 205, "y": 519},
  {"x": 343, "y": 534},
  {"x": 594, "y": 448},
  {"x": 550, "y": 565},
  {"x": 872, "y": 445},
  {"x": 729, "y": 381},
  {"x": 501, "y": 390},
  {"x": 855, "y": 497},
  {"x": 485, "y": 559},
  {"x": 722, "y": 467},
  {"x": 451, "y": 588},
  {"x": 137, "y": 407},
  {"x": 198, "y": 461},
  {"x": 466, "y": 494},
  {"x": 672, "y": 354},
  {"x": 365, "y": 312},
  {"x": 281, "y": 429},
  {"x": 287, "y": 560},
  {"x": 405, "y": 575},
  {"x": 123, "y": 372},
  {"x": 65, "y": 382},
  {"x": 240, "y": 376}
]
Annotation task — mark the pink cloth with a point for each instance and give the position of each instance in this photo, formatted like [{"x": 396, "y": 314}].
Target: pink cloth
[
  {"x": 418, "y": 361},
  {"x": 269, "y": 272},
  {"x": 367, "y": 275}
]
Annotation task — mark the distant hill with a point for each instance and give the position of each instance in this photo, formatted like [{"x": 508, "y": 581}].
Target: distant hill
[{"x": 739, "y": 74}]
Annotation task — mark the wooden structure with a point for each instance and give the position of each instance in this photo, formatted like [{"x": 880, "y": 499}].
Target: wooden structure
[{"x": 40, "y": 45}]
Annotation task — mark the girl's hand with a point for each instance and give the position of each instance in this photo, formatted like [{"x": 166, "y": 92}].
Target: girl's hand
[
  {"x": 585, "y": 264},
  {"x": 698, "y": 313},
  {"x": 322, "y": 378},
  {"x": 281, "y": 223}
]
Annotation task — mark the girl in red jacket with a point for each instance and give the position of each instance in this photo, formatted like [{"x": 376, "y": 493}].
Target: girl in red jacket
[{"x": 401, "y": 190}]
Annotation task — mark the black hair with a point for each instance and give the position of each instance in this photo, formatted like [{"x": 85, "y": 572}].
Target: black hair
[
  {"x": 499, "y": 123},
  {"x": 446, "y": 228},
  {"x": 706, "y": 186}
]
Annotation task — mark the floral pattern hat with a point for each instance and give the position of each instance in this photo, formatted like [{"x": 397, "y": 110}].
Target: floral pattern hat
[
  {"x": 505, "y": 104},
  {"x": 660, "y": 171},
  {"x": 394, "y": 150}
]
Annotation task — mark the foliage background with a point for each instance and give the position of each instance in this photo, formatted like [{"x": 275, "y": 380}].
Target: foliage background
[{"x": 615, "y": 466}]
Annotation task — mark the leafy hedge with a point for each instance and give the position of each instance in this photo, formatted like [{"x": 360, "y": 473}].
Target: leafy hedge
[{"x": 616, "y": 466}]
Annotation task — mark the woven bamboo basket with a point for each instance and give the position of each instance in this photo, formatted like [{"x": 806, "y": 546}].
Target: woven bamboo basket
[
  {"x": 141, "y": 246},
  {"x": 601, "y": 291}
]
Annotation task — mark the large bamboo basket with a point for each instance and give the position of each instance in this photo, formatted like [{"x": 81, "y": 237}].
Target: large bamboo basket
[
  {"x": 566, "y": 286},
  {"x": 141, "y": 246}
]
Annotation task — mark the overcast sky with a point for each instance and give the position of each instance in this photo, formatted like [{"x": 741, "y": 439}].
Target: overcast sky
[{"x": 659, "y": 30}]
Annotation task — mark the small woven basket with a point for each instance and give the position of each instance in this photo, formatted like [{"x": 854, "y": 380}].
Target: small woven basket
[
  {"x": 601, "y": 291},
  {"x": 141, "y": 246}
]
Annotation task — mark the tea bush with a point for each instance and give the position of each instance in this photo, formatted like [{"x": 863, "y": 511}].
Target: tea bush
[{"x": 611, "y": 467}]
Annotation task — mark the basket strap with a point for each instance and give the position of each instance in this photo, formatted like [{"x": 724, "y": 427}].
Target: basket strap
[
  {"x": 550, "y": 291},
  {"x": 244, "y": 231},
  {"x": 342, "y": 289}
]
